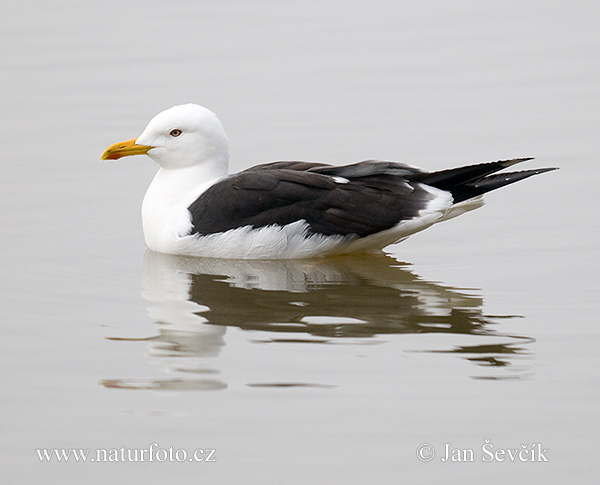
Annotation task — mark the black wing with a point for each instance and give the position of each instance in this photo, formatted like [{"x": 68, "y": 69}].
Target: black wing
[{"x": 359, "y": 199}]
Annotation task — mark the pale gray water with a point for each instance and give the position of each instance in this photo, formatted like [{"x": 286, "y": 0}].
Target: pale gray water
[{"x": 306, "y": 372}]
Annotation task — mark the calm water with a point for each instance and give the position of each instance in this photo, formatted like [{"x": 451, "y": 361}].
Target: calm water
[{"x": 326, "y": 371}]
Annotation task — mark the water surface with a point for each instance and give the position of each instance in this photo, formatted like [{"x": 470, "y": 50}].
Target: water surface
[{"x": 483, "y": 328}]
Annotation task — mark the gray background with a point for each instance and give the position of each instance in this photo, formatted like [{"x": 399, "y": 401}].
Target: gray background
[{"x": 435, "y": 84}]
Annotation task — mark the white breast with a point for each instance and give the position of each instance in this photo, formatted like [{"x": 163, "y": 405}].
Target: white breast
[{"x": 165, "y": 215}]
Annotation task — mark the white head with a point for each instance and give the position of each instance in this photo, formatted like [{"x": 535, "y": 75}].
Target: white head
[{"x": 179, "y": 137}]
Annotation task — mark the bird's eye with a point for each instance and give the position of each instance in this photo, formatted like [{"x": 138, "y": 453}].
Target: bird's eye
[{"x": 175, "y": 132}]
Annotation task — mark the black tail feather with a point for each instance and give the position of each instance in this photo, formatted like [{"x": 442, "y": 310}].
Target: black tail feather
[
  {"x": 447, "y": 179},
  {"x": 491, "y": 182},
  {"x": 473, "y": 180}
]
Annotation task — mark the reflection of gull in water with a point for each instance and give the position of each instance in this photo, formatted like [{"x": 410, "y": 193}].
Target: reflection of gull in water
[{"x": 345, "y": 299}]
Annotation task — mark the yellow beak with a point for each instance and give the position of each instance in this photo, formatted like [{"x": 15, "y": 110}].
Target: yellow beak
[{"x": 124, "y": 149}]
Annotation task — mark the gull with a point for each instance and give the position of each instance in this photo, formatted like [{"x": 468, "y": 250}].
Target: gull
[{"x": 289, "y": 209}]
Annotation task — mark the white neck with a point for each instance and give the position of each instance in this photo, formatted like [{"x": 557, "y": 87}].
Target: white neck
[{"x": 165, "y": 215}]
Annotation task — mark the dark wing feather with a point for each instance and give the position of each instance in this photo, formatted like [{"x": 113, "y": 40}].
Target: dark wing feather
[
  {"x": 492, "y": 182},
  {"x": 370, "y": 197},
  {"x": 473, "y": 180},
  {"x": 368, "y": 168},
  {"x": 298, "y": 166},
  {"x": 285, "y": 192},
  {"x": 452, "y": 177}
]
